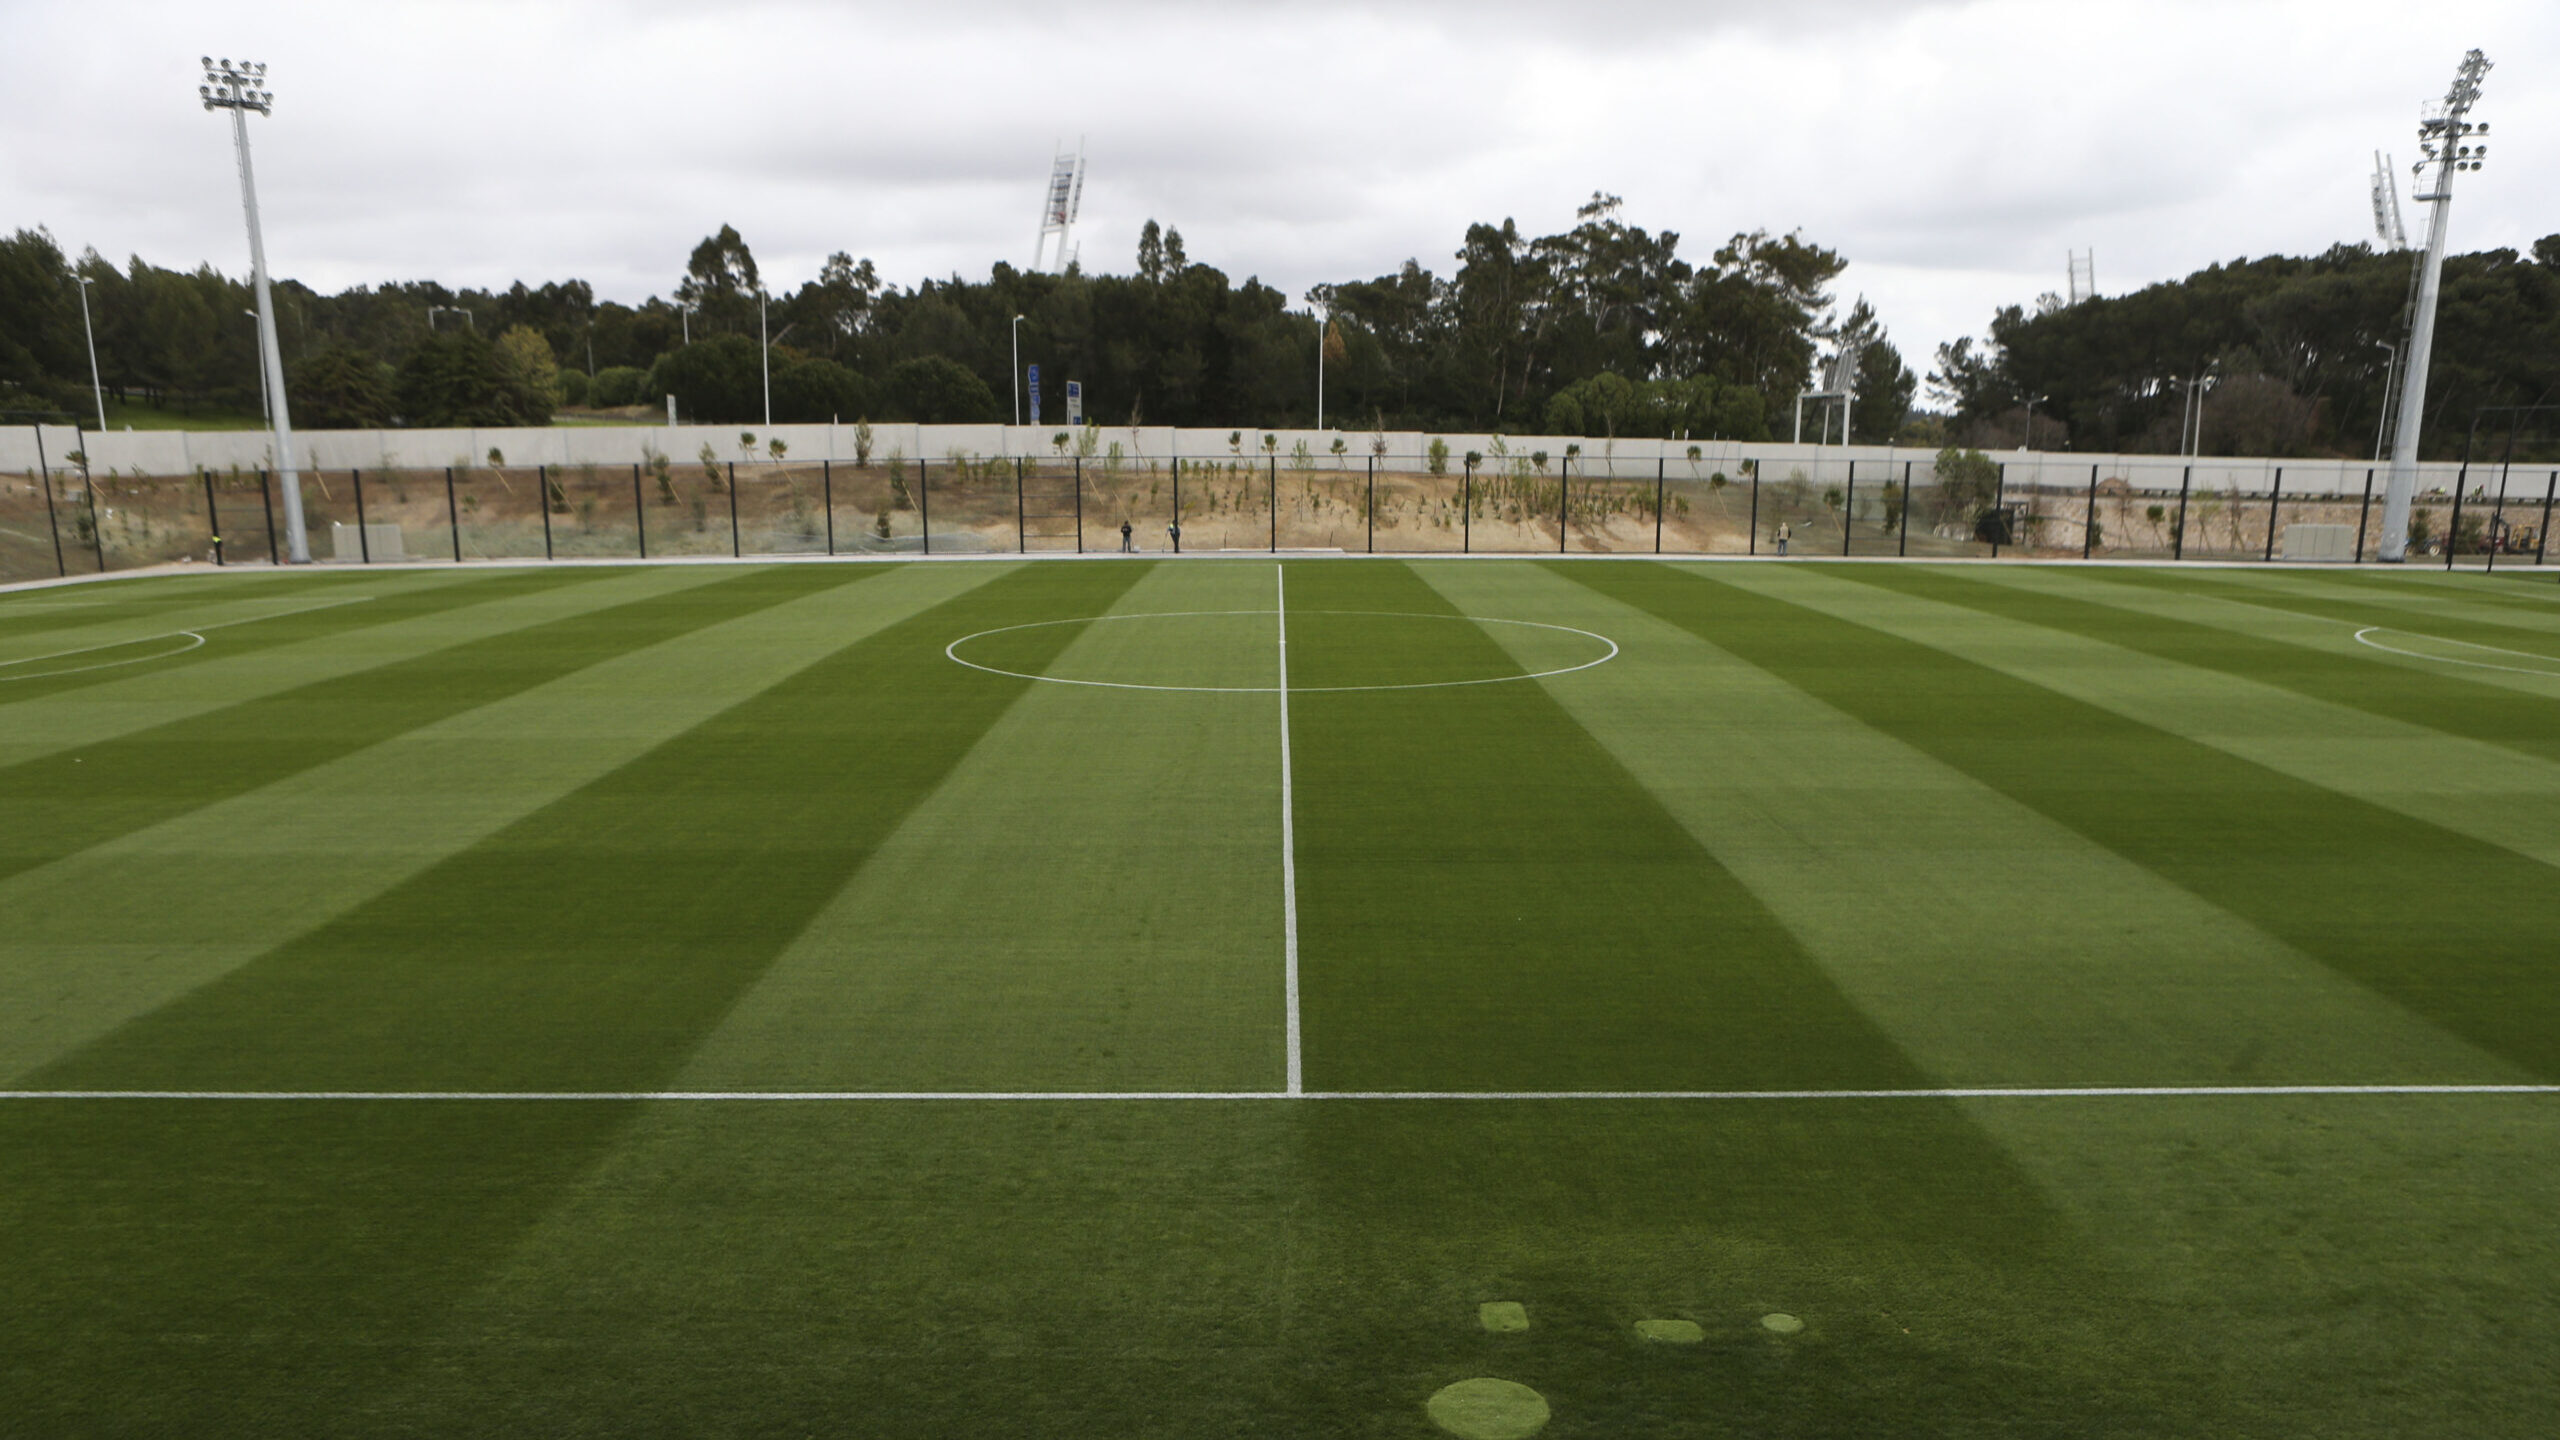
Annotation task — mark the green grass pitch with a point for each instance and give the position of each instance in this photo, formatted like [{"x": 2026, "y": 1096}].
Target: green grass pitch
[{"x": 400, "y": 973}]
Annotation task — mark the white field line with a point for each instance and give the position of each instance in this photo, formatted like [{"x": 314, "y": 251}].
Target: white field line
[
  {"x": 2058, "y": 1092},
  {"x": 1288, "y": 844},
  {"x": 952, "y": 653},
  {"x": 2364, "y": 637},
  {"x": 194, "y": 634}
]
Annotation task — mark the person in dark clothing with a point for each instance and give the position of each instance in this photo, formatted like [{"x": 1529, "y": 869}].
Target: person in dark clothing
[{"x": 1126, "y": 530}]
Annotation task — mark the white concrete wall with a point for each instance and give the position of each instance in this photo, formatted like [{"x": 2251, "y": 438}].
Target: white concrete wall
[{"x": 173, "y": 452}]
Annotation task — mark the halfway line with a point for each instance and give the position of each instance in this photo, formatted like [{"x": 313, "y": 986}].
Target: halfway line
[{"x": 1288, "y": 845}]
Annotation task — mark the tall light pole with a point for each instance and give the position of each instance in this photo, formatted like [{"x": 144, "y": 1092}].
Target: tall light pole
[
  {"x": 764, "y": 346},
  {"x": 2451, "y": 143},
  {"x": 684, "y": 313},
  {"x": 266, "y": 407},
  {"x": 1017, "y": 370},
  {"x": 240, "y": 89},
  {"x": 1324, "y": 322},
  {"x": 97, "y": 391}
]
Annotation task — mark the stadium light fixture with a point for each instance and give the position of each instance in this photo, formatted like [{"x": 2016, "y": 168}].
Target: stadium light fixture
[
  {"x": 2440, "y": 137},
  {"x": 242, "y": 88}
]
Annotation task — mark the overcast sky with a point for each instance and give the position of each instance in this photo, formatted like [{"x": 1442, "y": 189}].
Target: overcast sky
[{"x": 1954, "y": 152}]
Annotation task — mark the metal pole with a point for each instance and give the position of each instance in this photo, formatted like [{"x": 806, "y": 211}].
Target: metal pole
[
  {"x": 97, "y": 391},
  {"x": 2275, "y": 502},
  {"x": 542, "y": 487},
  {"x": 1658, "y": 467},
  {"x": 924, "y": 507},
  {"x": 2498, "y": 513},
  {"x": 1903, "y": 546},
  {"x": 2542, "y": 537},
  {"x": 1175, "y": 531},
  {"x": 2178, "y": 538},
  {"x": 2364, "y": 513},
  {"x": 2422, "y": 320},
  {"x": 827, "y": 488},
  {"x": 270, "y": 352},
  {"x": 1564, "y": 502},
  {"x": 1755, "y": 510},
  {"x": 1078, "y": 479},
  {"x": 2088, "y": 514},
  {"x": 212, "y": 521},
  {"x": 1999, "y": 505},
  {"x": 734, "y": 548},
  {"x": 1021, "y": 535},
  {"x": 639, "y": 514},
  {"x": 364, "y": 538},
  {"x": 1848, "y": 504},
  {"x": 2461, "y": 486},
  {"x": 1275, "y": 504},
  {"x": 59, "y": 568},
  {"x": 1467, "y": 509},
  {"x": 1373, "y": 505},
  {"x": 764, "y": 353},
  {"x": 452, "y": 515}
]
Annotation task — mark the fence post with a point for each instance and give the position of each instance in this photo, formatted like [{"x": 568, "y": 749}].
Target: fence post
[
  {"x": 1373, "y": 506},
  {"x": 2178, "y": 538},
  {"x": 1755, "y": 510},
  {"x": 452, "y": 514},
  {"x": 1999, "y": 505},
  {"x": 266, "y": 499},
  {"x": 1021, "y": 536},
  {"x": 639, "y": 514},
  {"x": 1848, "y": 508},
  {"x": 542, "y": 496},
  {"x": 827, "y": 491},
  {"x": 2452, "y": 529},
  {"x": 61, "y": 569},
  {"x": 1659, "y": 464},
  {"x": 924, "y": 506},
  {"x": 2088, "y": 514},
  {"x": 1173, "y": 532},
  {"x": 1467, "y": 509},
  {"x": 2364, "y": 513},
  {"x": 1078, "y": 479},
  {"x": 2542, "y": 537},
  {"x": 1902, "y": 547},
  {"x": 1564, "y": 500},
  {"x": 2275, "y": 502},
  {"x": 1275, "y": 504},
  {"x": 364, "y": 540},
  {"x": 734, "y": 549}
]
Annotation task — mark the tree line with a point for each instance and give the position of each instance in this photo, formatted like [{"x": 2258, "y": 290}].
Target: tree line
[
  {"x": 1603, "y": 329},
  {"x": 2287, "y": 356}
]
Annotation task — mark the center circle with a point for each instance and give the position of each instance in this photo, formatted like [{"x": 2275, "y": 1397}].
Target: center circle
[{"x": 1240, "y": 651}]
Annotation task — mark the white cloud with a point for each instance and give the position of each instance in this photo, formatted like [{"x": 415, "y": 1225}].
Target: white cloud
[{"x": 1952, "y": 151}]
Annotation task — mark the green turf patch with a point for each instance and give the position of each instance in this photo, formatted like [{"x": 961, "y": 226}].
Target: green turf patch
[
  {"x": 1488, "y": 901},
  {"x": 1671, "y": 1332},
  {"x": 1502, "y": 1317},
  {"x": 2446, "y": 925},
  {"x": 1489, "y": 1409},
  {"x": 2437, "y": 700},
  {"x": 69, "y": 801}
]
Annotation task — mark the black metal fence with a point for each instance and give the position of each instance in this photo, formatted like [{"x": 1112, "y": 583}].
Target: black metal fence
[{"x": 66, "y": 522}]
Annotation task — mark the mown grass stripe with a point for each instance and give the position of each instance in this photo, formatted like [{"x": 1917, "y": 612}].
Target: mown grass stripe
[
  {"x": 91, "y": 607},
  {"x": 64, "y": 803},
  {"x": 390, "y": 605},
  {"x": 2451, "y": 927},
  {"x": 2448, "y": 704},
  {"x": 2382, "y": 609},
  {"x": 1489, "y": 900},
  {"x": 590, "y": 945}
]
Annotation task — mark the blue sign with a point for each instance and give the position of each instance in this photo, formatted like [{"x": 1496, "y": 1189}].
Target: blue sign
[
  {"x": 1035, "y": 394},
  {"x": 1075, "y": 402}
]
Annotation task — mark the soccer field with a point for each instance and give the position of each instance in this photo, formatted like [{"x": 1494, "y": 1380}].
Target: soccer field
[{"x": 1203, "y": 997}]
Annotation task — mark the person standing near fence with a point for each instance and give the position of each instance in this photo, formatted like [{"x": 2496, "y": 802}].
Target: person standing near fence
[
  {"x": 1782, "y": 537},
  {"x": 1127, "y": 530}
]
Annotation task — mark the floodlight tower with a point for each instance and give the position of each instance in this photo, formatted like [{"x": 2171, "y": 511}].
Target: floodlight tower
[
  {"x": 2451, "y": 143},
  {"x": 1058, "y": 208},
  {"x": 241, "y": 88},
  {"x": 2386, "y": 205}
]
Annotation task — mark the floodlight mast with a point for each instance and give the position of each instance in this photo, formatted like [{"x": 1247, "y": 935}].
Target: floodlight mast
[
  {"x": 241, "y": 88},
  {"x": 2451, "y": 143}
]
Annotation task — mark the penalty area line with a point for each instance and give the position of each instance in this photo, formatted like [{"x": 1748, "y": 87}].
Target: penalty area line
[{"x": 2051, "y": 1092}]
